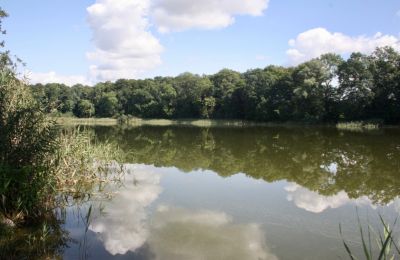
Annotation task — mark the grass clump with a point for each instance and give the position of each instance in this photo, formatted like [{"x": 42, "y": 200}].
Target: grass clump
[{"x": 84, "y": 163}]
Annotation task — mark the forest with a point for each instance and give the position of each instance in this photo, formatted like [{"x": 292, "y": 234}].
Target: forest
[{"x": 327, "y": 89}]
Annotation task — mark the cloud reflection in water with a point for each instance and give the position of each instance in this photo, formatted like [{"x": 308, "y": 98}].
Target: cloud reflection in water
[
  {"x": 172, "y": 232},
  {"x": 123, "y": 227},
  {"x": 314, "y": 202},
  {"x": 202, "y": 234}
]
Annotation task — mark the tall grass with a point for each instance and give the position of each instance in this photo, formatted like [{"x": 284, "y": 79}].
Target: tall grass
[
  {"x": 386, "y": 243},
  {"x": 84, "y": 163},
  {"x": 39, "y": 163},
  {"x": 28, "y": 141}
]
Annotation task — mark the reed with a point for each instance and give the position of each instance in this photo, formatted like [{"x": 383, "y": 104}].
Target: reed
[
  {"x": 386, "y": 243},
  {"x": 83, "y": 167},
  {"x": 28, "y": 141},
  {"x": 40, "y": 164}
]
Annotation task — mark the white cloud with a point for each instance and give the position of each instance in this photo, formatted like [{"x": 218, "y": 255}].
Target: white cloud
[
  {"x": 178, "y": 15},
  {"x": 312, "y": 43},
  {"x": 398, "y": 13},
  {"x": 51, "y": 77},
  {"x": 123, "y": 227},
  {"x": 124, "y": 46}
]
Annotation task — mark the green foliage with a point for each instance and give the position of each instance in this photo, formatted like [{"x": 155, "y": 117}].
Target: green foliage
[
  {"x": 27, "y": 143},
  {"x": 191, "y": 91},
  {"x": 387, "y": 244},
  {"x": 37, "y": 162},
  {"x": 323, "y": 90},
  {"x": 42, "y": 241},
  {"x": 226, "y": 84},
  {"x": 84, "y": 163},
  {"x": 356, "y": 87},
  {"x": 385, "y": 69},
  {"x": 84, "y": 108},
  {"x": 107, "y": 106}
]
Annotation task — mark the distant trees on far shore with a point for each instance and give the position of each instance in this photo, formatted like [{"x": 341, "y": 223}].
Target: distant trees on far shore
[{"x": 325, "y": 89}]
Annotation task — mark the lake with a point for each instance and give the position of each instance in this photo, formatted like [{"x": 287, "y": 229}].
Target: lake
[{"x": 240, "y": 193}]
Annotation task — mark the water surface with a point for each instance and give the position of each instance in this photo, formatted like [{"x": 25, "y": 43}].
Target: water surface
[{"x": 239, "y": 193}]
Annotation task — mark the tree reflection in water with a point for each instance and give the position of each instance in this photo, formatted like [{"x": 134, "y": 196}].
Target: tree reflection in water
[{"x": 323, "y": 160}]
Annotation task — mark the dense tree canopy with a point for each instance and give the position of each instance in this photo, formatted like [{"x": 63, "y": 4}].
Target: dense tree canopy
[{"x": 325, "y": 89}]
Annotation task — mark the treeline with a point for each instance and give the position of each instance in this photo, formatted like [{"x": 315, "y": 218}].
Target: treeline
[{"x": 325, "y": 89}]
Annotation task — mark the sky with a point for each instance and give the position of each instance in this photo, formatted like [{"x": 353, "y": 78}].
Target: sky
[{"x": 90, "y": 41}]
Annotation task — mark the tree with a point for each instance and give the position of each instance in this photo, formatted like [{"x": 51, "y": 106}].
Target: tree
[
  {"x": 330, "y": 63},
  {"x": 225, "y": 89},
  {"x": 191, "y": 91},
  {"x": 84, "y": 108},
  {"x": 385, "y": 68},
  {"x": 309, "y": 91},
  {"x": 167, "y": 99},
  {"x": 321, "y": 90},
  {"x": 141, "y": 103},
  {"x": 280, "y": 106},
  {"x": 255, "y": 94},
  {"x": 315, "y": 89},
  {"x": 5, "y": 59},
  {"x": 207, "y": 107},
  {"x": 107, "y": 106},
  {"x": 355, "y": 87}
]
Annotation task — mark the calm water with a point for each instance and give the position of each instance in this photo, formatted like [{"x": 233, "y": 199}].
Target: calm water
[{"x": 240, "y": 193}]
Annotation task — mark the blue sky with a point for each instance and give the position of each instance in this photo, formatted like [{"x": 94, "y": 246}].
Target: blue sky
[{"x": 89, "y": 41}]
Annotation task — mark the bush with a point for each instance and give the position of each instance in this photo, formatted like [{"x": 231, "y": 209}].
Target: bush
[
  {"x": 28, "y": 141},
  {"x": 38, "y": 162}
]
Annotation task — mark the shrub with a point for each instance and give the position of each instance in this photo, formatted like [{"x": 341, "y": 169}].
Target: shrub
[
  {"x": 27, "y": 142},
  {"x": 38, "y": 162}
]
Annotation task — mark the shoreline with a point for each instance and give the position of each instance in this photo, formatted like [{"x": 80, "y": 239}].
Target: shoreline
[{"x": 137, "y": 122}]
